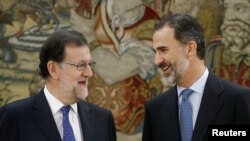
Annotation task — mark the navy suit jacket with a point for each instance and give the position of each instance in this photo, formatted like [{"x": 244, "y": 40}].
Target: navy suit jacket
[
  {"x": 31, "y": 120},
  {"x": 222, "y": 103}
]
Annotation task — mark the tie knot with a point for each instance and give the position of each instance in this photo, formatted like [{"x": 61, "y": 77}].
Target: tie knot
[
  {"x": 65, "y": 110},
  {"x": 186, "y": 93}
]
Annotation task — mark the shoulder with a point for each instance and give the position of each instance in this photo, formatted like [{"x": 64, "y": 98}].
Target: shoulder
[
  {"x": 18, "y": 105},
  {"x": 236, "y": 91},
  {"x": 234, "y": 88},
  {"x": 229, "y": 89},
  {"x": 159, "y": 100},
  {"x": 96, "y": 109},
  {"x": 15, "y": 109}
]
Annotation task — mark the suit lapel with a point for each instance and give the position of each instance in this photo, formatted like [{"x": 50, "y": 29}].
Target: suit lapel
[
  {"x": 169, "y": 114},
  {"x": 210, "y": 106},
  {"x": 87, "y": 120},
  {"x": 43, "y": 117}
]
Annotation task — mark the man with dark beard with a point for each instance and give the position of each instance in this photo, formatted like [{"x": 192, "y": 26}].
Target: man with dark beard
[
  {"x": 236, "y": 39},
  {"x": 179, "y": 45},
  {"x": 58, "y": 112}
]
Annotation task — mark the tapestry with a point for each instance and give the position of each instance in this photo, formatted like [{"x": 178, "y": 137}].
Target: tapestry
[{"x": 119, "y": 33}]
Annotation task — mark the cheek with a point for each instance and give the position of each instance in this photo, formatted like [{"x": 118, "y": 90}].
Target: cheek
[
  {"x": 71, "y": 77},
  {"x": 168, "y": 58}
]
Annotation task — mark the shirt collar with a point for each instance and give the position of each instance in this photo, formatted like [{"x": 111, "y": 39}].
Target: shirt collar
[
  {"x": 198, "y": 86},
  {"x": 54, "y": 103}
]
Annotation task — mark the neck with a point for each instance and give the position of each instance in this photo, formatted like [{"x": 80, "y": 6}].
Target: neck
[
  {"x": 193, "y": 73},
  {"x": 60, "y": 94}
]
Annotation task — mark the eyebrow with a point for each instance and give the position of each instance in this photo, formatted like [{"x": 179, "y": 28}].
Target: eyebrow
[
  {"x": 160, "y": 48},
  {"x": 83, "y": 61}
]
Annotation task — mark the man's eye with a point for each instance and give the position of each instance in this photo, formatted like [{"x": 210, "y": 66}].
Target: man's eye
[
  {"x": 163, "y": 50},
  {"x": 82, "y": 65}
]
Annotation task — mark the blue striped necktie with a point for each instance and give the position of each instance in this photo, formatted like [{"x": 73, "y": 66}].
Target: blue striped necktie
[
  {"x": 68, "y": 134},
  {"x": 186, "y": 122}
]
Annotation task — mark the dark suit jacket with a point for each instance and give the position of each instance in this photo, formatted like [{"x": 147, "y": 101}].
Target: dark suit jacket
[
  {"x": 222, "y": 103},
  {"x": 31, "y": 120}
]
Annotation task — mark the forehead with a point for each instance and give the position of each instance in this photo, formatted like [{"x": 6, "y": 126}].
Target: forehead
[
  {"x": 164, "y": 37},
  {"x": 77, "y": 52}
]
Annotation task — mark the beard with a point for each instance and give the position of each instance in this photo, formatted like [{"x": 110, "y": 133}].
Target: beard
[
  {"x": 236, "y": 35},
  {"x": 79, "y": 92},
  {"x": 178, "y": 71},
  {"x": 82, "y": 93}
]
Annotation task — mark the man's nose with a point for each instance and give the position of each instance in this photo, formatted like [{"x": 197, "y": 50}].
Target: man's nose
[
  {"x": 88, "y": 72},
  {"x": 158, "y": 59}
]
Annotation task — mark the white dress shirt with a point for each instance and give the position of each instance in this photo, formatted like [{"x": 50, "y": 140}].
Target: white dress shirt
[
  {"x": 55, "y": 106},
  {"x": 195, "y": 98}
]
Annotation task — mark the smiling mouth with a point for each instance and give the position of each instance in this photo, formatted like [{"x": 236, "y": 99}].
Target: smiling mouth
[
  {"x": 164, "y": 67},
  {"x": 82, "y": 82}
]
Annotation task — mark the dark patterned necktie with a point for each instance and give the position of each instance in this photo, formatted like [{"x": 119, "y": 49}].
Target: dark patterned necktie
[
  {"x": 186, "y": 122},
  {"x": 68, "y": 134}
]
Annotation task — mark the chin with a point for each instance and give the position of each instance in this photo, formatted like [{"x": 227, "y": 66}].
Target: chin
[
  {"x": 83, "y": 94},
  {"x": 169, "y": 80}
]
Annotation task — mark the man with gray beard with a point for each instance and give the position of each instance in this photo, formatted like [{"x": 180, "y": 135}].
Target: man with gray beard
[
  {"x": 236, "y": 39},
  {"x": 198, "y": 98},
  {"x": 58, "y": 112}
]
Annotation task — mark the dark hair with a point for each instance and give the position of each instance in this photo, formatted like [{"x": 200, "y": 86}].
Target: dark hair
[
  {"x": 186, "y": 28},
  {"x": 54, "y": 48}
]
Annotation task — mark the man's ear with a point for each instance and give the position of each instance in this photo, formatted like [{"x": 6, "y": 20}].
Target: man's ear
[
  {"x": 53, "y": 69},
  {"x": 191, "y": 48}
]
